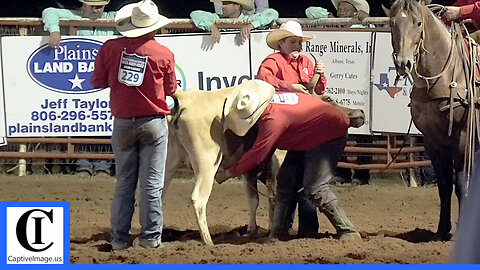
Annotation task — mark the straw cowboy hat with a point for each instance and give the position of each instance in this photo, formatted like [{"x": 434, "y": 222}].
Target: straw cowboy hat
[
  {"x": 95, "y": 2},
  {"x": 138, "y": 19},
  {"x": 246, "y": 4},
  {"x": 358, "y": 4},
  {"x": 245, "y": 105},
  {"x": 287, "y": 29}
]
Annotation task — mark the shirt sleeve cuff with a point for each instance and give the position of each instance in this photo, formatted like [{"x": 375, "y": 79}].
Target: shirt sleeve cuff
[{"x": 53, "y": 28}]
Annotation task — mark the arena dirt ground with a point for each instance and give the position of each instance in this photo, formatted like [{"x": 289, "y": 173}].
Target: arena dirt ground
[{"x": 396, "y": 223}]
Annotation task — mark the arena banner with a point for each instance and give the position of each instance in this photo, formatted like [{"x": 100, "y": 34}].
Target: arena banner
[
  {"x": 205, "y": 65},
  {"x": 3, "y": 132},
  {"x": 48, "y": 92},
  {"x": 390, "y": 111},
  {"x": 347, "y": 66}
]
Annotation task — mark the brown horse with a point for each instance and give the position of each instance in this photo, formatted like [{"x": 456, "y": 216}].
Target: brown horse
[{"x": 425, "y": 49}]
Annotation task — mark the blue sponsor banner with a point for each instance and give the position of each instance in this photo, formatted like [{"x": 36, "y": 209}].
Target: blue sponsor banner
[{"x": 66, "y": 69}]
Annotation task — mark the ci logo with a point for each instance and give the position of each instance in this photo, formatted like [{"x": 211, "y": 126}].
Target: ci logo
[{"x": 38, "y": 217}]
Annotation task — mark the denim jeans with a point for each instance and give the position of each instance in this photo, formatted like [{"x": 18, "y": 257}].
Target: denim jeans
[
  {"x": 140, "y": 150},
  {"x": 289, "y": 182},
  {"x": 320, "y": 164}
]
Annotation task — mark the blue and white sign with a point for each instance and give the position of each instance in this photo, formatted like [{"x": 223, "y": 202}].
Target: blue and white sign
[{"x": 66, "y": 69}]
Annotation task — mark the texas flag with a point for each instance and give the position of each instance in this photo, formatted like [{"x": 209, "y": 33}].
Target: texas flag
[{"x": 384, "y": 84}]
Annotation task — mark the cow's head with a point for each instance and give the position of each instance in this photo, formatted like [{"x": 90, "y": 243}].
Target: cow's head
[{"x": 357, "y": 116}]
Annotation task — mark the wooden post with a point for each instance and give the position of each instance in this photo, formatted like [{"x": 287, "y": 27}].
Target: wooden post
[
  {"x": 412, "y": 172},
  {"x": 22, "y": 163}
]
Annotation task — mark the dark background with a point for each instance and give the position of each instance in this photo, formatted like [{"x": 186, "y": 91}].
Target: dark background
[{"x": 182, "y": 8}]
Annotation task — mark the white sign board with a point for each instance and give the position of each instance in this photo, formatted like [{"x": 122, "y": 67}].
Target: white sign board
[
  {"x": 347, "y": 66},
  {"x": 205, "y": 65},
  {"x": 390, "y": 111},
  {"x": 48, "y": 92},
  {"x": 3, "y": 132}
]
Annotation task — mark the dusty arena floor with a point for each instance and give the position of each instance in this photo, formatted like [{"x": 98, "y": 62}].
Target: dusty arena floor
[{"x": 396, "y": 224}]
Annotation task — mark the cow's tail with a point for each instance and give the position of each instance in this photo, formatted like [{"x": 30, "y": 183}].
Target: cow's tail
[{"x": 175, "y": 112}]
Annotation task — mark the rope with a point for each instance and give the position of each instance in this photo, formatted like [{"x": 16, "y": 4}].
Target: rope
[{"x": 472, "y": 127}]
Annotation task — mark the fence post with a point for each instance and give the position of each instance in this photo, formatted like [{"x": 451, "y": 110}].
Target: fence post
[
  {"x": 22, "y": 163},
  {"x": 412, "y": 171}
]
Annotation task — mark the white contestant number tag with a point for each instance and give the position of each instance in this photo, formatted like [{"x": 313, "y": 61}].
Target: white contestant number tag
[
  {"x": 285, "y": 98},
  {"x": 132, "y": 69}
]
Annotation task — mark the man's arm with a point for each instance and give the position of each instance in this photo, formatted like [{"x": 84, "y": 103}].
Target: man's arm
[{"x": 51, "y": 20}]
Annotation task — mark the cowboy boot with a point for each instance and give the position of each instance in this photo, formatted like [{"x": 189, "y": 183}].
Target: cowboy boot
[
  {"x": 339, "y": 220},
  {"x": 281, "y": 212}
]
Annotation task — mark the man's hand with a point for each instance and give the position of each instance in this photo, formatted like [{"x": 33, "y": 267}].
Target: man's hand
[
  {"x": 222, "y": 175},
  {"x": 215, "y": 33},
  {"x": 319, "y": 67},
  {"x": 360, "y": 15},
  {"x": 298, "y": 88},
  {"x": 54, "y": 41},
  {"x": 245, "y": 31},
  {"x": 452, "y": 13}
]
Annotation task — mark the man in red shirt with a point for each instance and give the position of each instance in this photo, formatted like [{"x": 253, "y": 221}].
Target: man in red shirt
[
  {"x": 288, "y": 70},
  {"x": 464, "y": 9},
  {"x": 313, "y": 132},
  {"x": 140, "y": 73}
]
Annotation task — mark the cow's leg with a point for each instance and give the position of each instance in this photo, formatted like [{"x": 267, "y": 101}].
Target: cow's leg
[
  {"x": 252, "y": 197},
  {"x": 204, "y": 166},
  {"x": 174, "y": 155},
  {"x": 442, "y": 164},
  {"x": 271, "y": 187},
  {"x": 200, "y": 195}
]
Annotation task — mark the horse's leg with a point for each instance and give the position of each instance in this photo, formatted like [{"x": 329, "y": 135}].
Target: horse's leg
[
  {"x": 252, "y": 197},
  {"x": 460, "y": 176},
  {"x": 443, "y": 166}
]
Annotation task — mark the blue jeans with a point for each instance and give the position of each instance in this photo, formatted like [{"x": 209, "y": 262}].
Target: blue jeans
[
  {"x": 289, "y": 181},
  {"x": 140, "y": 150},
  {"x": 313, "y": 169},
  {"x": 320, "y": 164}
]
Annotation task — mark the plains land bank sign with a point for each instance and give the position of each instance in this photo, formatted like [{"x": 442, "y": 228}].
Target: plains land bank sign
[{"x": 67, "y": 69}]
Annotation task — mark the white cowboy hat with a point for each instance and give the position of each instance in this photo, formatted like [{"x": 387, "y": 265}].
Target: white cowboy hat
[
  {"x": 246, "y": 4},
  {"x": 95, "y": 2},
  {"x": 246, "y": 104},
  {"x": 138, "y": 19},
  {"x": 358, "y": 4},
  {"x": 287, "y": 29}
]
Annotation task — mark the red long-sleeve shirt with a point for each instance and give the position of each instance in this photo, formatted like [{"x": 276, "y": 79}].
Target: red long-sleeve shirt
[
  {"x": 469, "y": 9},
  {"x": 159, "y": 77},
  {"x": 281, "y": 71},
  {"x": 299, "y": 123}
]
